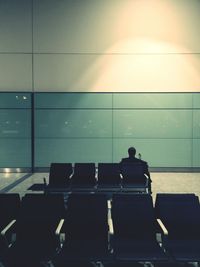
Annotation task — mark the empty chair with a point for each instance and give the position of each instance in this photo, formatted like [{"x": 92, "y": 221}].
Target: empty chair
[
  {"x": 134, "y": 178},
  {"x": 135, "y": 227},
  {"x": 172, "y": 197},
  {"x": 109, "y": 177},
  {"x": 85, "y": 228},
  {"x": 36, "y": 230},
  {"x": 84, "y": 176},
  {"x": 9, "y": 208},
  {"x": 59, "y": 175},
  {"x": 180, "y": 214}
]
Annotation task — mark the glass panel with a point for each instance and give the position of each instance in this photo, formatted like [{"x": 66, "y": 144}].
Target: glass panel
[
  {"x": 196, "y": 124},
  {"x": 152, "y": 100},
  {"x": 196, "y": 100},
  {"x": 196, "y": 153},
  {"x": 153, "y": 123},
  {"x": 15, "y": 130},
  {"x": 72, "y": 150},
  {"x": 15, "y": 153},
  {"x": 73, "y": 100},
  {"x": 15, "y": 123},
  {"x": 73, "y": 123},
  {"x": 15, "y": 100},
  {"x": 158, "y": 153}
]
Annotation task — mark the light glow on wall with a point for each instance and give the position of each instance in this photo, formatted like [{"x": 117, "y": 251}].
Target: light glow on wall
[{"x": 149, "y": 55}]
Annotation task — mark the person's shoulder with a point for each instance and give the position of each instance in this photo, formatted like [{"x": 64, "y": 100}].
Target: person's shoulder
[
  {"x": 142, "y": 162},
  {"x": 125, "y": 160}
]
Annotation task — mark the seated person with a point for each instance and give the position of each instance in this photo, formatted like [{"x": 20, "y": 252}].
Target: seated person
[{"x": 134, "y": 160}]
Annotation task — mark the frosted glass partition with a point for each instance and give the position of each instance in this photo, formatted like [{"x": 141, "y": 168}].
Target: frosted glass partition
[
  {"x": 73, "y": 127},
  {"x": 152, "y": 123},
  {"x": 153, "y": 100},
  {"x": 99, "y": 127},
  {"x": 158, "y": 152},
  {"x": 73, "y": 100},
  {"x": 15, "y": 130}
]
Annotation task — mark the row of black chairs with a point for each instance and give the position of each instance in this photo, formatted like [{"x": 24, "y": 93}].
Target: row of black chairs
[
  {"x": 107, "y": 177},
  {"x": 50, "y": 228}
]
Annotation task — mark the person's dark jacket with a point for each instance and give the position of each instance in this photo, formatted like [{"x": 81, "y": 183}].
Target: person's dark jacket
[{"x": 136, "y": 160}]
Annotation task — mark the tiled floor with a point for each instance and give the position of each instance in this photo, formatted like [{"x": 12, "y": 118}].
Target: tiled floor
[{"x": 161, "y": 182}]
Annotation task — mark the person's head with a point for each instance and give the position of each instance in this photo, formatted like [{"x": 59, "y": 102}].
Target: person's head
[{"x": 131, "y": 151}]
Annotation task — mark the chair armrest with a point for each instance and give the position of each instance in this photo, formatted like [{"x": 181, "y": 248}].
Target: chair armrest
[
  {"x": 110, "y": 226},
  {"x": 8, "y": 227},
  {"x": 59, "y": 227},
  {"x": 60, "y": 236},
  {"x": 162, "y": 227},
  {"x": 147, "y": 179},
  {"x": 162, "y": 235},
  {"x": 7, "y": 233}
]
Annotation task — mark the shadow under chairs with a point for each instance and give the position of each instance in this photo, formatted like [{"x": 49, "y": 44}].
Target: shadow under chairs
[
  {"x": 37, "y": 230},
  {"x": 180, "y": 215},
  {"x": 135, "y": 229}
]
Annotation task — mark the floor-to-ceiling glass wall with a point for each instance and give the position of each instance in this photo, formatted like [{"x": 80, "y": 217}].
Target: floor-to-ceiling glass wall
[
  {"x": 15, "y": 131},
  {"x": 99, "y": 127}
]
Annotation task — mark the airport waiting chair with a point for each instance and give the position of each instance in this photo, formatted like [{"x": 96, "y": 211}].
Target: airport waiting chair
[
  {"x": 37, "y": 230},
  {"x": 135, "y": 229},
  {"x": 9, "y": 208},
  {"x": 59, "y": 175},
  {"x": 180, "y": 215},
  {"x": 134, "y": 178},
  {"x": 83, "y": 177},
  {"x": 85, "y": 228},
  {"x": 109, "y": 178}
]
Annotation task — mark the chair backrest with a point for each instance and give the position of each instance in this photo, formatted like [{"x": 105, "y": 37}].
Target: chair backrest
[
  {"x": 87, "y": 217},
  {"x": 43, "y": 206},
  {"x": 109, "y": 174},
  {"x": 133, "y": 173},
  {"x": 38, "y": 218},
  {"x": 133, "y": 216},
  {"x": 84, "y": 174},
  {"x": 59, "y": 174},
  {"x": 9, "y": 208},
  {"x": 180, "y": 213}
]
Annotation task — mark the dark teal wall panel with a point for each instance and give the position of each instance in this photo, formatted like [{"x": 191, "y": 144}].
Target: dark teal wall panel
[
  {"x": 73, "y": 123},
  {"x": 15, "y": 130},
  {"x": 152, "y": 100},
  {"x": 72, "y": 150},
  {"x": 158, "y": 152},
  {"x": 73, "y": 100},
  {"x": 152, "y": 123}
]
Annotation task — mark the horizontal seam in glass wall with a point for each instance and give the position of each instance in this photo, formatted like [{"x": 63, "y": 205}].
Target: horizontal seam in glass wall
[
  {"x": 81, "y": 137},
  {"x": 114, "y": 137},
  {"x": 115, "y": 108},
  {"x": 153, "y": 138},
  {"x": 15, "y": 137},
  {"x": 97, "y": 53},
  {"x": 6, "y": 108},
  {"x": 73, "y": 108}
]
